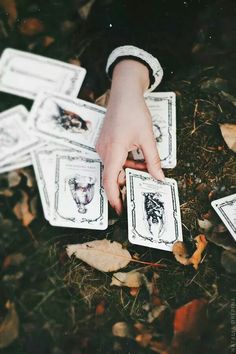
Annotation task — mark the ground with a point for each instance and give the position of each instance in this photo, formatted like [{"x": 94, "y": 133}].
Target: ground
[{"x": 65, "y": 306}]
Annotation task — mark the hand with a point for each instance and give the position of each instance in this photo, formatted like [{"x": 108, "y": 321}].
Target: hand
[{"x": 127, "y": 126}]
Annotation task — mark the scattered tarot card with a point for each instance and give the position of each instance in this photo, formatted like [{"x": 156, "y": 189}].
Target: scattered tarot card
[
  {"x": 15, "y": 137},
  {"x": 43, "y": 160},
  {"x": 21, "y": 162},
  {"x": 25, "y": 74},
  {"x": 78, "y": 199},
  {"x": 153, "y": 211},
  {"x": 162, "y": 107},
  {"x": 226, "y": 209},
  {"x": 64, "y": 120}
]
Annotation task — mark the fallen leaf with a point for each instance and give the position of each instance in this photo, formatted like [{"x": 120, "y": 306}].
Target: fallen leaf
[
  {"x": 103, "y": 255},
  {"x": 14, "y": 178},
  {"x": 121, "y": 329},
  {"x": 228, "y": 132},
  {"x": 205, "y": 224},
  {"x": 6, "y": 192},
  {"x": 201, "y": 243},
  {"x": 103, "y": 100},
  {"x": 9, "y": 7},
  {"x": 191, "y": 318},
  {"x": 9, "y": 327},
  {"x": 75, "y": 61},
  {"x": 180, "y": 252},
  {"x": 14, "y": 259},
  {"x": 144, "y": 339},
  {"x": 31, "y": 26},
  {"x": 47, "y": 41},
  {"x": 134, "y": 291},
  {"x": 129, "y": 279},
  {"x": 21, "y": 210},
  {"x": 100, "y": 309},
  {"x": 155, "y": 313}
]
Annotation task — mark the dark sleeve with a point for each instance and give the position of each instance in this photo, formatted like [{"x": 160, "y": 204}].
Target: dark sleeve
[{"x": 163, "y": 28}]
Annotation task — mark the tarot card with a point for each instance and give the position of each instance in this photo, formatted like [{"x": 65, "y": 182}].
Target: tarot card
[
  {"x": 15, "y": 138},
  {"x": 153, "y": 211},
  {"x": 21, "y": 162},
  {"x": 79, "y": 199},
  {"x": 226, "y": 209},
  {"x": 25, "y": 74},
  {"x": 71, "y": 122},
  {"x": 162, "y": 107},
  {"x": 43, "y": 161}
]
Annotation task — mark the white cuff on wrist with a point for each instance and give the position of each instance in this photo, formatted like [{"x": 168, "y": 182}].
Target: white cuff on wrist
[{"x": 131, "y": 51}]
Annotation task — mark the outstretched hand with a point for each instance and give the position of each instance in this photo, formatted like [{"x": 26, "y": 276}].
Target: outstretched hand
[{"x": 127, "y": 126}]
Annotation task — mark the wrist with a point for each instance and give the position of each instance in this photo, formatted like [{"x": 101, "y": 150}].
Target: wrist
[{"x": 131, "y": 74}]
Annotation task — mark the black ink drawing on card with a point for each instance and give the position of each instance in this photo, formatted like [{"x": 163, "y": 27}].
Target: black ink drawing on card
[
  {"x": 154, "y": 214},
  {"x": 71, "y": 121},
  {"x": 82, "y": 190}
]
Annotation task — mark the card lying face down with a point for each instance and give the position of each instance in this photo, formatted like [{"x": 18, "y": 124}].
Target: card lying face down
[
  {"x": 226, "y": 209},
  {"x": 25, "y": 74},
  {"x": 162, "y": 108},
  {"x": 71, "y": 122},
  {"x": 16, "y": 140},
  {"x": 78, "y": 199},
  {"x": 153, "y": 211}
]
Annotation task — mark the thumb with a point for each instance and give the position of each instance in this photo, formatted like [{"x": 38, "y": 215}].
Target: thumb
[{"x": 152, "y": 158}]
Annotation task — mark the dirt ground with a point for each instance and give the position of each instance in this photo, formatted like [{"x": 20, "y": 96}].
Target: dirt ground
[{"x": 65, "y": 306}]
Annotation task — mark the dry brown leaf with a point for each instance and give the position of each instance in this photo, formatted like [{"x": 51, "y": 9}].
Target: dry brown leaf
[
  {"x": 144, "y": 339},
  {"x": 191, "y": 318},
  {"x": 21, "y": 210},
  {"x": 14, "y": 259},
  {"x": 31, "y": 26},
  {"x": 100, "y": 309},
  {"x": 9, "y": 7},
  {"x": 14, "y": 178},
  {"x": 9, "y": 328},
  {"x": 129, "y": 279},
  {"x": 121, "y": 329},
  {"x": 47, "y": 41},
  {"x": 228, "y": 132},
  {"x": 103, "y": 255},
  {"x": 201, "y": 244},
  {"x": 180, "y": 251},
  {"x": 103, "y": 100}
]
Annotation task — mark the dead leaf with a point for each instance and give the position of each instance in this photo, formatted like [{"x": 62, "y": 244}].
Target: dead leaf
[
  {"x": 21, "y": 210},
  {"x": 100, "y": 309},
  {"x": 156, "y": 312},
  {"x": 121, "y": 329},
  {"x": 205, "y": 224},
  {"x": 47, "y": 41},
  {"x": 180, "y": 251},
  {"x": 75, "y": 61},
  {"x": 14, "y": 259},
  {"x": 228, "y": 132},
  {"x": 190, "y": 319},
  {"x": 144, "y": 339},
  {"x": 6, "y": 192},
  {"x": 103, "y": 100},
  {"x": 9, "y": 328},
  {"x": 103, "y": 255},
  {"x": 14, "y": 178},
  {"x": 31, "y": 26},
  {"x": 201, "y": 243},
  {"x": 9, "y": 6},
  {"x": 129, "y": 279}
]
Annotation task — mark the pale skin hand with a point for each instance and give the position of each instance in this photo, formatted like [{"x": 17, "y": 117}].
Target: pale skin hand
[{"x": 127, "y": 126}]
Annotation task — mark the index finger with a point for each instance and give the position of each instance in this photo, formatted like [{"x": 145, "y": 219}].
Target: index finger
[{"x": 113, "y": 163}]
